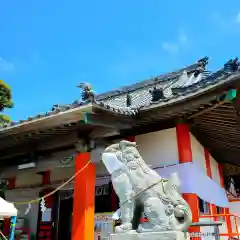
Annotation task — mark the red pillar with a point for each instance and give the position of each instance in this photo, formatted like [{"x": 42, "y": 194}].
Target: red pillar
[
  {"x": 11, "y": 182},
  {"x": 184, "y": 143},
  {"x": 220, "y": 171},
  {"x": 193, "y": 202},
  {"x": 130, "y": 138},
  {"x": 212, "y": 207},
  {"x": 46, "y": 177},
  {"x": 185, "y": 155},
  {"x": 84, "y": 196}
]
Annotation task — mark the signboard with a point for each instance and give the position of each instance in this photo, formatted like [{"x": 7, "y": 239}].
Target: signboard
[{"x": 104, "y": 225}]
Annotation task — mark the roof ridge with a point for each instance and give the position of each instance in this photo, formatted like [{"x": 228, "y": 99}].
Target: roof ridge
[
  {"x": 105, "y": 100},
  {"x": 151, "y": 81}
]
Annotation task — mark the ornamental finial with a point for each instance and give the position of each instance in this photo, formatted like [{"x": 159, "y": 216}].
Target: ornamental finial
[{"x": 88, "y": 94}]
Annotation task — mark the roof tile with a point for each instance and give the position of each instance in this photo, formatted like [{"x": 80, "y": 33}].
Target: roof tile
[{"x": 173, "y": 85}]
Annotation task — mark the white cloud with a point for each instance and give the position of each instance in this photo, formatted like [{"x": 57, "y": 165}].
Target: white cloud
[
  {"x": 238, "y": 18},
  {"x": 5, "y": 65},
  {"x": 226, "y": 23},
  {"x": 182, "y": 38},
  {"x": 170, "y": 47},
  {"x": 173, "y": 47}
]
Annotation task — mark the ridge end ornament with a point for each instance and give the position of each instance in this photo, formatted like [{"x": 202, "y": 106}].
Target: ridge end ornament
[{"x": 87, "y": 93}]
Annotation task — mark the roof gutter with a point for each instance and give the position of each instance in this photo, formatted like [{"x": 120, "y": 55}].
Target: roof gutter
[{"x": 48, "y": 122}]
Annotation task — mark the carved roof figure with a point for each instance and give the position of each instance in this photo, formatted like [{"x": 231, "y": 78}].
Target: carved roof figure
[
  {"x": 157, "y": 94},
  {"x": 203, "y": 62},
  {"x": 88, "y": 94},
  {"x": 60, "y": 107},
  {"x": 235, "y": 64},
  {"x": 232, "y": 65}
]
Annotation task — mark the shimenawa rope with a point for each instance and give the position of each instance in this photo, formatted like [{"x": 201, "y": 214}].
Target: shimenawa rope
[{"x": 55, "y": 190}]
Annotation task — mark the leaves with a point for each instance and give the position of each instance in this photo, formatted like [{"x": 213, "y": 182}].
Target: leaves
[
  {"x": 5, "y": 118},
  {"x": 5, "y": 96},
  {"x": 2, "y": 83},
  {"x": 5, "y": 101}
]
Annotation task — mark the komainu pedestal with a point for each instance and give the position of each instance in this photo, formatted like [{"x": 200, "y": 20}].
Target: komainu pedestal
[{"x": 169, "y": 235}]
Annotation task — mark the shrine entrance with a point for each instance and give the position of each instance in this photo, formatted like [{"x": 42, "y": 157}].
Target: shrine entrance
[
  {"x": 103, "y": 203},
  {"x": 64, "y": 224}
]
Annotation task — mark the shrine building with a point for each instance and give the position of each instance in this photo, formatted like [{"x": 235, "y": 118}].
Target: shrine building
[{"x": 186, "y": 121}]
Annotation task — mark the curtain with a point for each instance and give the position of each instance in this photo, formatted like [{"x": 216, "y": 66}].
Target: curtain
[{"x": 193, "y": 180}]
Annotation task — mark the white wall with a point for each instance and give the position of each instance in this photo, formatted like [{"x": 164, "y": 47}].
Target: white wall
[
  {"x": 235, "y": 208},
  {"x": 65, "y": 173},
  {"x": 159, "y": 148},
  {"x": 43, "y": 164},
  {"x": 198, "y": 155},
  {"x": 215, "y": 171},
  {"x": 27, "y": 177}
]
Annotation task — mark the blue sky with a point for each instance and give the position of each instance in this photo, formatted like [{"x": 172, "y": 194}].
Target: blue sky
[{"x": 47, "y": 47}]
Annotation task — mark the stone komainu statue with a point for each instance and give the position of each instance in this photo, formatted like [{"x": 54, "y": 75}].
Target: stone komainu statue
[{"x": 133, "y": 180}]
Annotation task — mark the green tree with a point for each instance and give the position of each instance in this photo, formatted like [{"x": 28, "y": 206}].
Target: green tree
[{"x": 5, "y": 101}]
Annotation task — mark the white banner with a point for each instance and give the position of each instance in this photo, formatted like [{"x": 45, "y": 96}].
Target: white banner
[{"x": 193, "y": 180}]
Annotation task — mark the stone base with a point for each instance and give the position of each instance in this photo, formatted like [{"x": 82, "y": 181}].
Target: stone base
[{"x": 169, "y": 235}]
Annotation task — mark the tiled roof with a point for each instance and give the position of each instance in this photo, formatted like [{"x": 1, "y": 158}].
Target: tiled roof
[
  {"x": 152, "y": 81},
  {"x": 129, "y": 100},
  {"x": 165, "y": 88},
  {"x": 56, "y": 109}
]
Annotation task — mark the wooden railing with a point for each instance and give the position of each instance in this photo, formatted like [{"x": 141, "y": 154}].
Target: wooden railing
[{"x": 232, "y": 226}]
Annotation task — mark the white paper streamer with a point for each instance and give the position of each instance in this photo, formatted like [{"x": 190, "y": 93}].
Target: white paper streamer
[
  {"x": 28, "y": 209},
  {"x": 42, "y": 205}
]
